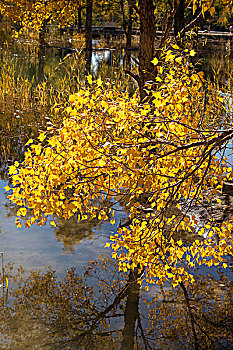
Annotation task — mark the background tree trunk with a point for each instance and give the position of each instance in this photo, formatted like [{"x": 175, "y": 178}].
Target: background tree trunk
[
  {"x": 179, "y": 22},
  {"x": 147, "y": 43},
  {"x": 88, "y": 29},
  {"x": 79, "y": 18},
  {"x": 129, "y": 38},
  {"x": 127, "y": 26}
]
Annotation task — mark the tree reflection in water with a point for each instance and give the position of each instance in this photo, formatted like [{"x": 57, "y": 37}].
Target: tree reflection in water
[{"x": 105, "y": 309}]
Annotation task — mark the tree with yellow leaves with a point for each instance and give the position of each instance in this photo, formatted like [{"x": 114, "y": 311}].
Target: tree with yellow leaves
[
  {"x": 159, "y": 155},
  {"x": 160, "y": 158},
  {"x": 174, "y": 18},
  {"x": 38, "y": 14}
]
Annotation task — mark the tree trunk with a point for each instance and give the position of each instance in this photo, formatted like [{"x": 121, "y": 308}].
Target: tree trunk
[
  {"x": 179, "y": 22},
  {"x": 147, "y": 43},
  {"x": 88, "y": 33},
  {"x": 131, "y": 312},
  {"x": 127, "y": 26},
  {"x": 129, "y": 29},
  {"x": 129, "y": 38},
  {"x": 79, "y": 19},
  {"x": 42, "y": 37},
  {"x": 127, "y": 23}
]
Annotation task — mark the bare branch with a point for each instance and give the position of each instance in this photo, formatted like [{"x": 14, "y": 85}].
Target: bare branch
[{"x": 135, "y": 76}]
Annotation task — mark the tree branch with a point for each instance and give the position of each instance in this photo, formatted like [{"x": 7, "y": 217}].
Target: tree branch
[
  {"x": 134, "y": 6},
  {"x": 135, "y": 76}
]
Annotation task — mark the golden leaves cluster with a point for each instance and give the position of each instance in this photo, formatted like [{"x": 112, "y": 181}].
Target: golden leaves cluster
[
  {"x": 34, "y": 14},
  {"x": 159, "y": 158}
]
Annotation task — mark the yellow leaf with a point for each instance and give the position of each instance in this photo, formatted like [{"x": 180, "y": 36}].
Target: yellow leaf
[
  {"x": 155, "y": 61},
  {"x": 179, "y": 59},
  {"x": 41, "y": 137},
  {"x": 53, "y": 223},
  {"x": 38, "y": 149},
  {"x": 169, "y": 56},
  {"x": 212, "y": 10},
  {"x": 29, "y": 141},
  {"x": 89, "y": 79},
  {"x": 104, "y": 104},
  {"x": 21, "y": 212},
  {"x": 69, "y": 109},
  {"x": 28, "y": 224},
  {"x": 12, "y": 170},
  {"x": 99, "y": 82},
  {"x": 72, "y": 98},
  {"x": 53, "y": 141},
  {"x": 102, "y": 162},
  {"x": 18, "y": 223}
]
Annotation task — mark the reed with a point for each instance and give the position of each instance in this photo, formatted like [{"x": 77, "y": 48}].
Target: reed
[{"x": 26, "y": 105}]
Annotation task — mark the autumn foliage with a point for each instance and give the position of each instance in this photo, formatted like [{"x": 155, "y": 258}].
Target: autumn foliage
[
  {"x": 37, "y": 14},
  {"x": 159, "y": 158}
]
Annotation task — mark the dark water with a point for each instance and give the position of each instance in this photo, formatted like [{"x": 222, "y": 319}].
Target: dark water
[{"x": 75, "y": 303}]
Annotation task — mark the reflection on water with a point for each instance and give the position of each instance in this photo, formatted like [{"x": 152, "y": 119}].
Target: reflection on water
[
  {"x": 70, "y": 232},
  {"x": 103, "y": 309},
  {"x": 70, "y": 243}
]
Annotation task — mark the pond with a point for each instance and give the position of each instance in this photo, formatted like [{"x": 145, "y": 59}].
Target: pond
[{"x": 63, "y": 294}]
